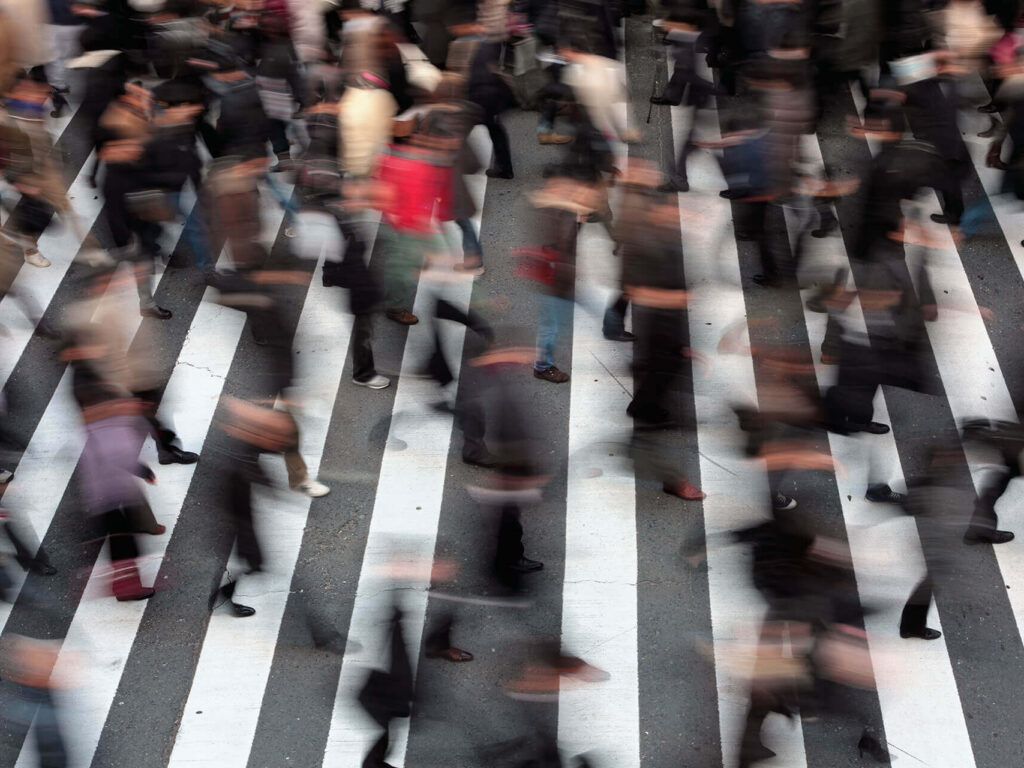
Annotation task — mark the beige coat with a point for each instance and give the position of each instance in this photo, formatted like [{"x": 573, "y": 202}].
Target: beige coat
[{"x": 364, "y": 128}]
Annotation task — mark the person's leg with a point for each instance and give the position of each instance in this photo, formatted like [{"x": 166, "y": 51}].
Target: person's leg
[
  {"x": 196, "y": 234},
  {"x": 914, "y": 619},
  {"x": 296, "y": 466},
  {"x": 362, "y": 353},
  {"x": 404, "y": 253},
  {"x": 547, "y": 332},
  {"x": 502, "y": 164},
  {"x": 472, "y": 252},
  {"x": 49, "y": 742}
]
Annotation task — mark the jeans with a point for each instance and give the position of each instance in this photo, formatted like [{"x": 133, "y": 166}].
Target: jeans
[
  {"x": 470, "y": 241},
  {"x": 554, "y": 314},
  {"x": 195, "y": 232}
]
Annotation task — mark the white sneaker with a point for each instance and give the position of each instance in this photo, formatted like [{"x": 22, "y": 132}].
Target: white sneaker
[
  {"x": 377, "y": 382},
  {"x": 6, "y": 476},
  {"x": 312, "y": 488},
  {"x": 36, "y": 259}
]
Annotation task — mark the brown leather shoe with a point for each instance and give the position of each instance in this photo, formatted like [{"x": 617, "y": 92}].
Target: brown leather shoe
[
  {"x": 552, "y": 374},
  {"x": 683, "y": 490},
  {"x": 402, "y": 316}
]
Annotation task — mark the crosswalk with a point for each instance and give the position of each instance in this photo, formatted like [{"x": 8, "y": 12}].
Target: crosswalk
[{"x": 164, "y": 682}]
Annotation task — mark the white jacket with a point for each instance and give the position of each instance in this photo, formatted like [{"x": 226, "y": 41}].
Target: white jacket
[{"x": 364, "y": 127}]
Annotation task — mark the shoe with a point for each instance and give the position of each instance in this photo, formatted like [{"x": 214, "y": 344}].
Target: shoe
[
  {"x": 684, "y": 490},
  {"x": 921, "y": 634},
  {"x": 783, "y": 503},
  {"x": 174, "y": 455},
  {"x": 988, "y": 109},
  {"x": 242, "y": 611},
  {"x": 872, "y": 428},
  {"x": 661, "y": 101},
  {"x": 143, "y": 594},
  {"x": 675, "y": 185},
  {"x": 618, "y": 335},
  {"x": 939, "y": 218},
  {"x": 157, "y": 313},
  {"x": 159, "y": 530},
  {"x": 470, "y": 263},
  {"x": 312, "y": 488},
  {"x": 456, "y": 655},
  {"x": 402, "y": 316},
  {"x": 869, "y": 743},
  {"x": 375, "y": 382},
  {"x": 551, "y": 374},
  {"x": 827, "y": 359},
  {"x": 987, "y": 537},
  {"x": 526, "y": 565},
  {"x": 486, "y": 461},
  {"x": 550, "y": 137},
  {"x": 36, "y": 259},
  {"x": 498, "y": 173},
  {"x": 882, "y": 493},
  {"x": 60, "y": 104},
  {"x": 6, "y": 476}
]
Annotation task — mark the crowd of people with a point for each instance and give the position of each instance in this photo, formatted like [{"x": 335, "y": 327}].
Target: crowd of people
[{"x": 196, "y": 111}]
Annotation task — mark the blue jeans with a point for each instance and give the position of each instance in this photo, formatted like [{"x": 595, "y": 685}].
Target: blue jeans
[
  {"x": 195, "y": 233},
  {"x": 286, "y": 202},
  {"x": 470, "y": 241},
  {"x": 554, "y": 314}
]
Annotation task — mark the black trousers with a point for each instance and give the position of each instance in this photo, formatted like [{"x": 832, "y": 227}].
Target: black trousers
[
  {"x": 499, "y": 138},
  {"x": 915, "y": 612},
  {"x": 657, "y": 360},
  {"x": 510, "y": 549},
  {"x": 362, "y": 351},
  {"x": 984, "y": 518}
]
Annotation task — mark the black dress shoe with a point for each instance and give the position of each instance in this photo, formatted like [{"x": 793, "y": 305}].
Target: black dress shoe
[
  {"x": 884, "y": 494},
  {"x": 174, "y": 455},
  {"x": 618, "y": 335},
  {"x": 241, "y": 611},
  {"x": 157, "y": 313},
  {"x": 526, "y": 565},
  {"x": 499, "y": 173},
  {"x": 675, "y": 185},
  {"x": 662, "y": 101},
  {"x": 987, "y": 537},
  {"x": 927, "y": 633},
  {"x": 939, "y": 218},
  {"x": 485, "y": 461},
  {"x": 872, "y": 428}
]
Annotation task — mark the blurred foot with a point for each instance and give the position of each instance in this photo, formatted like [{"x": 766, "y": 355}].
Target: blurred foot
[
  {"x": 157, "y": 313},
  {"x": 976, "y": 536},
  {"x": 550, "y": 137},
  {"x": 872, "y": 428},
  {"x": 456, "y": 655},
  {"x": 661, "y": 101},
  {"x": 174, "y": 455},
  {"x": 242, "y": 611},
  {"x": 783, "y": 503},
  {"x": 883, "y": 494},
  {"x": 925, "y": 633},
  {"x": 143, "y": 594},
  {"x": 526, "y": 565},
  {"x": 375, "y": 382},
  {"x": 683, "y": 490},
  {"x": 35, "y": 258},
  {"x": 499, "y": 173},
  {"x": 402, "y": 316},
  {"x": 617, "y": 334},
  {"x": 312, "y": 488},
  {"x": 6, "y": 476},
  {"x": 551, "y": 374}
]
